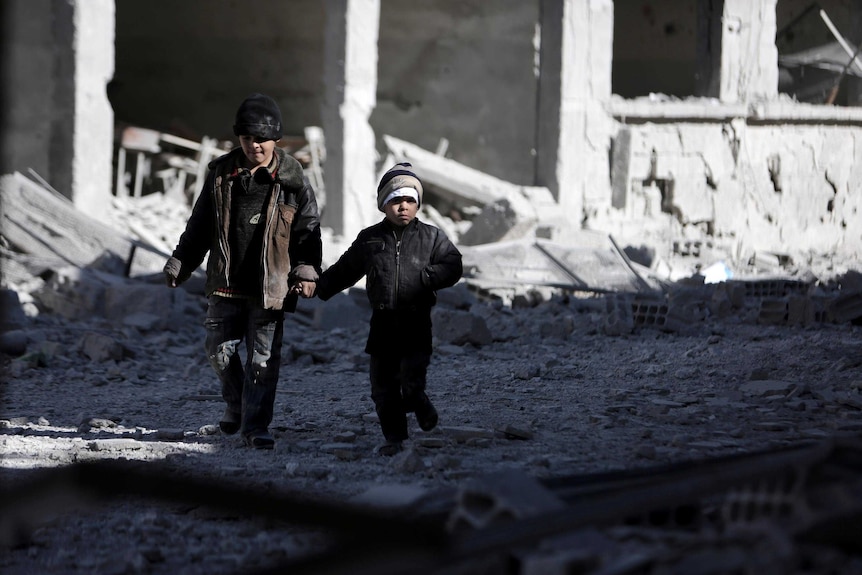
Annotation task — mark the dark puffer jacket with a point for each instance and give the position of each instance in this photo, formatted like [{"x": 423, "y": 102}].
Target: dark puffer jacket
[
  {"x": 291, "y": 243},
  {"x": 401, "y": 275},
  {"x": 402, "y": 278}
]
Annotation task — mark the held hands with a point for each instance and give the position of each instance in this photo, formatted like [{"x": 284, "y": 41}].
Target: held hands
[
  {"x": 302, "y": 280},
  {"x": 304, "y": 288}
]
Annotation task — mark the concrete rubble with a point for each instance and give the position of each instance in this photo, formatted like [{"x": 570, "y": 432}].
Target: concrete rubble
[
  {"x": 651, "y": 365},
  {"x": 79, "y": 267},
  {"x": 94, "y": 305}
]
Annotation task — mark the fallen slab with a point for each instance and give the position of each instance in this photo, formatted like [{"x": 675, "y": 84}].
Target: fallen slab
[
  {"x": 508, "y": 211},
  {"x": 451, "y": 179},
  {"x": 593, "y": 264},
  {"x": 42, "y": 223}
]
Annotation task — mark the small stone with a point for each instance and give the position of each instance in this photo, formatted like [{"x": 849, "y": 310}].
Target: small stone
[
  {"x": 345, "y": 437},
  {"x": 209, "y": 429},
  {"x": 512, "y": 432},
  {"x": 170, "y": 434}
]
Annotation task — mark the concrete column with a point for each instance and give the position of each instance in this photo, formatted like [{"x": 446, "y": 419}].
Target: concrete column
[
  {"x": 93, "y": 140},
  {"x": 749, "y": 58},
  {"x": 573, "y": 135},
  {"x": 853, "y": 85},
  {"x": 27, "y": 85},
  {"x": 549, "y": 93},
  {"x": 57, "y": 60},
  {"x": 709, "y": 30},
  {"x": 350, "y": 95}
]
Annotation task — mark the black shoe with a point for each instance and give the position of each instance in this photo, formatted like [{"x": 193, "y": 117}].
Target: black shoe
[
  {"x": 230, "y": 422},
  {"x": 389, "y": 448},
  {"x": 260, "y": 440},
  {"x": 228, "y": 427},
  {"x": 426, "y": 415}
]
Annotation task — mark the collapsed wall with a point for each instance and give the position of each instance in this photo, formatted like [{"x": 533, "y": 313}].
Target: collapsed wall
[
  {"x": 734, "y": 163},
  {"x": 540, "y": 94},
  {"x": 756, "y": 186},
  {"x": 778, "y": 187}
]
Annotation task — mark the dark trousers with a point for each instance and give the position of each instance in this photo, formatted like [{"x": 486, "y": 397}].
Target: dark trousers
[
  {"x": 248, "y": 387},
  {"x": 397, "y": 386}
]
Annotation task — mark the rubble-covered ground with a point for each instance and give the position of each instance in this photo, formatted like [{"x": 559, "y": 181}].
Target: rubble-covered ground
[
  {"x": 538, "y": 387},
  {"x": 573, "y": 400}
]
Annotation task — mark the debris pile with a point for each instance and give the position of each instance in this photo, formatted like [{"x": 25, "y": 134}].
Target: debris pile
[{"x": 595, "y": 416}]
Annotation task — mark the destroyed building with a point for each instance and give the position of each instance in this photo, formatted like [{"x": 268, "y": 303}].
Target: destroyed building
[
  {"x": 610, "y": 144},
  {"x": 676, "y": 127}
]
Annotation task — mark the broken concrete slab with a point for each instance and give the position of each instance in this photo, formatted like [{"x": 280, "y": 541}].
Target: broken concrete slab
[
  {"x": 515, "y": 216},
  {"x": 450, "y": 179},
  {"x": 40, "y": 222},
  {"x": 508, "y": 210},
  {"x": 77, "y": 293},
  {"x": 500, "y": 498},
  {"x": 593, "y": 264},
  {"x": 45, "y": 230}
]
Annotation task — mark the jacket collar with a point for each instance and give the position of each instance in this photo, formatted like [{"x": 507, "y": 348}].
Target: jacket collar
[
  {"x": 288, "y": 172},
  {"x": 239, "y": 166}
]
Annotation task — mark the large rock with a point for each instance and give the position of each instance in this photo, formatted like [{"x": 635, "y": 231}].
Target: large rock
[
  {"x": 460, "y": 327},
  {"x": 344, "y": 310},
  {"x": 78, "y": 293},
  {"x": 12, "y": 314}
]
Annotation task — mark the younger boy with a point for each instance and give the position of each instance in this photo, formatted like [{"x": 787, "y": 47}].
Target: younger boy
[
  {"x": 257, "y": 217},
  {"x": 405, "y": 262}
]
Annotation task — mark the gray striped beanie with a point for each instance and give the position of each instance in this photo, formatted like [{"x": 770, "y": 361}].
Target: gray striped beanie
[{"x": 397, "y": 177}]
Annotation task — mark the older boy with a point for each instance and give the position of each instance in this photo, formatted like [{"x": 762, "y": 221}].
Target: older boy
[
  {"x": 257, "y": 217},
  {"x": 405, "y": 262}
]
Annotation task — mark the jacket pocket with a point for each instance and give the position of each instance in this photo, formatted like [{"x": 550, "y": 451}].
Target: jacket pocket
[
  {"x": 284, "y": 220},
  {"x": 373, "y": 247}
]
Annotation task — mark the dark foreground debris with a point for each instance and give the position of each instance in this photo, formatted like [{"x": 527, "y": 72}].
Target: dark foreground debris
[{"x": 788, "y": 510}]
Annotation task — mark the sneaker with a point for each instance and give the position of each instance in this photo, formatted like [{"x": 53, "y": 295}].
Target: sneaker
[
  {"x": 230, "y": 422},
  {"x": 260, "y": 440},
  {"x": 389, "y": 448},
  {"x": 426, "y": 415}
]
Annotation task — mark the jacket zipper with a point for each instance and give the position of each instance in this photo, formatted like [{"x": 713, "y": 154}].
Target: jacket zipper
[{"x": 397, "y": 268}]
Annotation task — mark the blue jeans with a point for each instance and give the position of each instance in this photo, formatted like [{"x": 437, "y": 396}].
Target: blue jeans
[{"x": 248, "y": 388}]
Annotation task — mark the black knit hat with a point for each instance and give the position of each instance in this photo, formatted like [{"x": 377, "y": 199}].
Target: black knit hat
[
  {"x": 258, "y": 115},
  {"x": 398, "y": 177}
]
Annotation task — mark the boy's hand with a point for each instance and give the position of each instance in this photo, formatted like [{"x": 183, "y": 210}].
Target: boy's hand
[
  {"x": 302, "y": 280},
  {"x": 172, "y": 271},
  {"x": 305, "y": 288}
]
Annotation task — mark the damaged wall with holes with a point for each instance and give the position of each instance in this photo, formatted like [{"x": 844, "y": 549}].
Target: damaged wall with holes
[
  {"x": 775, "y": 187},
  {"x": 675, "y": 117},
  {"x": 738, "y": 157}
]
